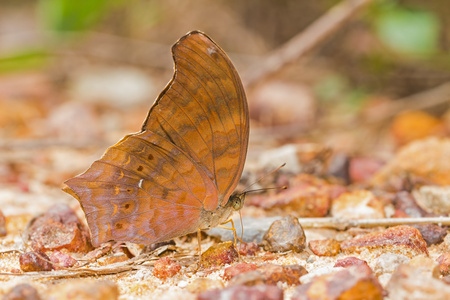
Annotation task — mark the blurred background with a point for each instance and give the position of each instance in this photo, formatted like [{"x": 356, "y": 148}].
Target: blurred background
[{"x": 75, "y": 76}]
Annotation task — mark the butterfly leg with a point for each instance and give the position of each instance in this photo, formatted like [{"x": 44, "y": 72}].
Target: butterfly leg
[
  {"x": 199, "y": 240},
  {"x": 236, "y": 237}
]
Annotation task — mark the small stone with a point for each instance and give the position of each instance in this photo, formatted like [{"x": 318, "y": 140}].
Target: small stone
[
  {"x": 350, "y": 261},
  {"x": 406, "y": 206},
  {"x": 257, "y": 292},
  {"x": 237, "y": 269},
  {"x": 165, "y": 268},
  {"x": 248, "y": 278},
  {"x": 307, "y": 196},
  {"x": 59, "y": 221},
  {"x": 389, "y": 262},
  {"x": 328, "y": 247},
  {"x": 425, "y": 265},
  {"x": 88, "y": 289},
  {"x": 405, "y": 240},
  {"x": 414, "y": 125},
  {"x": 444, "y": 264},
  {"x": 432, "y": 233},
  {"x": 248, "y": 249},
  {"x": 360, "y": 204},
  {"x": 339, "y": 167},
  {"x": 434, "y": 199},
  {"x": 3, "y": 231},
  {"x": 284, "y": 235},
  {"x": 352, "y": 283},
  {"x": 61, "y": 260},
  {"x": 409, "y": 283},
  {"x": 23, "y": 291},
  {"x": 289, "y": 274},
  {"x": 219, "y": 255},
  {"x": 204, "y": 284},
  {"x": 361, "y": 169},
  {"x": 35, "y": 261},
  {"x": 426, "y": 159}
]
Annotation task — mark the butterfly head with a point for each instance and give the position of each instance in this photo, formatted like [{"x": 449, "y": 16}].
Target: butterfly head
[{"x": 236, "y": 201}]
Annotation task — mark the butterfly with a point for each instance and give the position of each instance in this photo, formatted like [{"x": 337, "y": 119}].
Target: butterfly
[{"x": 178, "y": 173}]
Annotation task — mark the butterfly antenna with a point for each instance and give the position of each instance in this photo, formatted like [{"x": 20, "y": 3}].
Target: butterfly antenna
[{"x": 246, "y": 190}]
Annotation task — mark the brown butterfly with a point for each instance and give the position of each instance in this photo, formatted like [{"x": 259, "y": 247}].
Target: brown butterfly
[{"x": 177, "y": 174}]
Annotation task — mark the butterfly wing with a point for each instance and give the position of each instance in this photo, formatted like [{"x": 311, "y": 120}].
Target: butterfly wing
[
  {"x": 204, "y": 111},
  {"x": 153, "y": 186},
  {"x": 143, "y": 190}
]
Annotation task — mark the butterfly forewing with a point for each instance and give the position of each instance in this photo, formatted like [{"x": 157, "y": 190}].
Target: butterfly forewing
[
  {"x": 154, "y": 185},
  {"x": 204, "y": 111}
]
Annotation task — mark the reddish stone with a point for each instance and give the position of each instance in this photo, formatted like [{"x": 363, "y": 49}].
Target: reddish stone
[
  {"x": 86, "y": 289},
  {"x": 359, "y": 204},
  {"x": 402, "y": 239},
  {"x": 431, "y": 233},
  {"x": 328, "y": 247},
  {"x": 361, "y": 169},
  {"x": 61, "y": 260},
  {"x": 248, "y": 249},
  {"x": 219, "y": 255},
  {"x": 237, "y": 269},
  {"x": 411, "y": 283},
  {"x": 35, "y": 261},
  {"x": 406, "y": 206},
  {"x": 444, "y": 264},
  {"x": 257, "y": 292},
  {"x": 59, "y": 228},
  {"x": 23, "y": 291},
  {"x": 353, "y": 283},
  {"x": 350, "y": 261},
  {"x": 248, "y": 278},
  {"x": 276, "y": 273},
  {"x": 284, "y": 235},
  {"x": 165, "y": 268},
  {"x": 307, "y": 196},
  {"x": 2, "y": 224}
]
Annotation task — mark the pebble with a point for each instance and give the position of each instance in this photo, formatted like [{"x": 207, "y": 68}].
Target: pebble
[
  {"x": 353, "y": 283},
  {"x": 284, "y": 235},
  {"x": 361, "y": 169},
  {"x": 85, "y": 289},
  {"x": 61, "y": 221},
  {"x": 405, "y": 240},
  {"x": 349, "y": 261},
  {"x": 219, "y": 255},
  {"x": 389, "y": 262},
  {"x": 35, "y": 261},
  {"x": 361, "y": 204},
  {"x": 165, "y": 268},
  {"x": 410, "y": 283},
  {"x": 237, "y": 269},
  {"x": 61, "y": 260},
  {"x": 444, "y": 264},
  {"x": 327, "y": 247},
  {"x": 23, "y": 291},
  {"x": 257, "y": 292},
  {"x": 289, "y": 274},
  {"x": 434, "y": 199}
]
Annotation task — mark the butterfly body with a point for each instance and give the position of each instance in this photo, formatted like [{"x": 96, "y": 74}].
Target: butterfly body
[{"x": 178, "y": 173}]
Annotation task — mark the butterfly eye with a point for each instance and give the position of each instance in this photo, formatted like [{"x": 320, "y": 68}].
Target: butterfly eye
[{"x": 237, "y": 202}]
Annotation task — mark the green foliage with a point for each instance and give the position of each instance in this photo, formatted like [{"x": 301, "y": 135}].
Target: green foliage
[
  {"x": 406, "y": 31},
  {"x": 73, "y": 15}
]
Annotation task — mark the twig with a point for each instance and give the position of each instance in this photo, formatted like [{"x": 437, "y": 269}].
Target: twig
[
  {"x": 304, "y": 42},
  {"x": 342, "y": 224}
]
